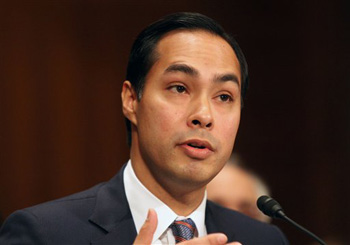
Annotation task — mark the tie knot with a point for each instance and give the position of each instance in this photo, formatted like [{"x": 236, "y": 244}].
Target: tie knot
[{"x": 183, "y": 229}]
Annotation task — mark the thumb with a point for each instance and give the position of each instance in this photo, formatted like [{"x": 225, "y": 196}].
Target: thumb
[{"x": 147, "y": 230}]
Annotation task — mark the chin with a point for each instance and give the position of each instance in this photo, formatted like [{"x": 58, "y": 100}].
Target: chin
[{"x": 197, "y": 177}]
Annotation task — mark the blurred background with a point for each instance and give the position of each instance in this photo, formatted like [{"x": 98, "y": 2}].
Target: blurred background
[{"x": 62, "y": 64}]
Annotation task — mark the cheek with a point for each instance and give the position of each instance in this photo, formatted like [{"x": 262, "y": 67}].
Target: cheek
[
  {"x": 166, "y": 119},
  {"x": 162, "y": 118},
  {"x": 228, "y": 128}
]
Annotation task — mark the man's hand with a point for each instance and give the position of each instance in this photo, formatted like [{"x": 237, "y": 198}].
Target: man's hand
[
  {"x": 145, "y": 235},
  {"x": 211, "y": 239}
]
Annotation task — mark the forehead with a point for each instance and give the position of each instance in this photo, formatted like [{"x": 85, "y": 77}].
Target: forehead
[{"x": 197, "y": 47}]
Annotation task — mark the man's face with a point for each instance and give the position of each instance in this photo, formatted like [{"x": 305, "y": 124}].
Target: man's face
[{"x": 187, "y": 119}]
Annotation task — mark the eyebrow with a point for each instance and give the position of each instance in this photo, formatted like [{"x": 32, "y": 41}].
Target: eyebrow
[
  {"x": 189, "y": 70},
  {"x": 226, "y": 78}
]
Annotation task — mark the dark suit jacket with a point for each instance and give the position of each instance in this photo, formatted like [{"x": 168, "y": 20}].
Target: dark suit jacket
[{"x": 101, "y": 215}]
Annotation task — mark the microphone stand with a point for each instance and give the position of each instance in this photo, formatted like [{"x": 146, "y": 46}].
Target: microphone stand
[
  {"x": 272, "y": 208},
  {"x": 292, "y": 222}
]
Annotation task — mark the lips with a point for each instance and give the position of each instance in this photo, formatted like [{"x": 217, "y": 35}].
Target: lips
[
  {"x": 196, "y": 146},
  {"x": 197, "y": 143},
  {"x": 197, "y": 149}
]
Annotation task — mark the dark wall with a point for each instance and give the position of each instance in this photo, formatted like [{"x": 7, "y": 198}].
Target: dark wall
[{"x": 61, "y": 126}]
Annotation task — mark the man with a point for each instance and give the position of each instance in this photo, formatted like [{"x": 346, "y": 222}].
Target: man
[
  {"x": 238, "y": 189},
  {"x": 182, "y": 101}
]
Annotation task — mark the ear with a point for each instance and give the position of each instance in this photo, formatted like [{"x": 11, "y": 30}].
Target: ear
[{"x": 129, "y": 101}]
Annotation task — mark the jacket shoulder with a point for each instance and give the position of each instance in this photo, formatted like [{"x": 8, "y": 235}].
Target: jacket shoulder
[
  {"x": 45, "y": 223},
  {"x": 69, "y": 202}
]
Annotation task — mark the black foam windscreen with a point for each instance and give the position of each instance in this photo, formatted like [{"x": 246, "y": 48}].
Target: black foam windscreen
[{"x": 270, "y": 207}]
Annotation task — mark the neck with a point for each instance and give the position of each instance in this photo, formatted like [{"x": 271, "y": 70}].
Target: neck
[
  {"x": 183, "y": 203},
  {"x": 182, "y": 198}
]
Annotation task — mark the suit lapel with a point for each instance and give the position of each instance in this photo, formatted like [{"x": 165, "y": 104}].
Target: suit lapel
[
  {"x": 123, "y": 233},
  {"x": 215, "y": 223},
  {"x": 112, "y": 213}
]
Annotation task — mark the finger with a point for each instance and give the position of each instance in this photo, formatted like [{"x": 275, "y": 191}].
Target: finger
[
  {"x": 212, "y": 239},
  {"x": 147, "y": 230}
]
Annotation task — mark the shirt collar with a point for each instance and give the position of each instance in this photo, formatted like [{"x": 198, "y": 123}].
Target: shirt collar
[{"x": 140, "y": 200}]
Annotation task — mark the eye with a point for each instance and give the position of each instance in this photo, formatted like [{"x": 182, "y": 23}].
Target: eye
[
  {"x": 225, "y": 98},
  {"x": 178, "y": 89}
]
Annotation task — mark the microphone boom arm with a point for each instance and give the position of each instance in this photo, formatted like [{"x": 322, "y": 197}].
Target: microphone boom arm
[{"x": 272, "y": 208}]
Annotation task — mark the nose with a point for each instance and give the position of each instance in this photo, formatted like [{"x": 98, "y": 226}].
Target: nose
[{"x": 201, "y": 115}]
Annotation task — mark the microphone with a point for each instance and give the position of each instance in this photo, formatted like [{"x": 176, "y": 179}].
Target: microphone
[{"x": 272, "y": 208}]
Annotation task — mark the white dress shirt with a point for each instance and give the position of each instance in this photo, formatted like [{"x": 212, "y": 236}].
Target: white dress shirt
[{"x": 140, "y": 200}]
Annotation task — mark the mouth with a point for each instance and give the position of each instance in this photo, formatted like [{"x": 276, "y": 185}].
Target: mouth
[
  {"x": 199, "y": 144},
  {"x": 196, "y": 146},
  {"x": 197, "y": 149}
]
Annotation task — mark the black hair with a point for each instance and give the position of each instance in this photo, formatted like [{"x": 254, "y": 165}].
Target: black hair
[{"x": 143, "y": 52}]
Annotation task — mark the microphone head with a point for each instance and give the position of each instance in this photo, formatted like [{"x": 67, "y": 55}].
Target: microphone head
[{"x": 270, "y": 207}]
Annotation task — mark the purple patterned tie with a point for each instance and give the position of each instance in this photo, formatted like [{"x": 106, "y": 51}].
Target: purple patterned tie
[{"x": 183, "y": 229}]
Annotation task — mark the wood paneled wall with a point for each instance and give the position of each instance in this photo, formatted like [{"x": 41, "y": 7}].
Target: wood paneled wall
[{"x": 61, "y": 126}]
